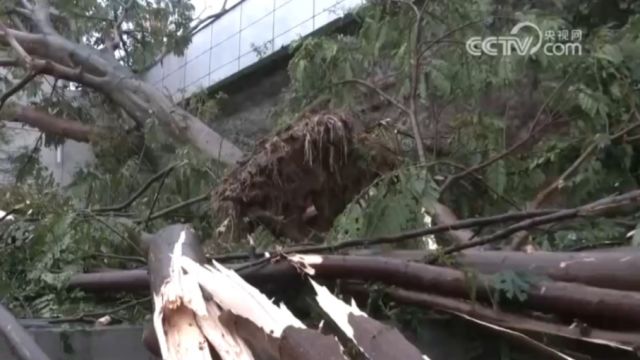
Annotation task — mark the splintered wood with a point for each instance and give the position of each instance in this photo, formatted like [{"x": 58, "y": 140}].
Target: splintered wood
[{"x": 206, "y": 311}]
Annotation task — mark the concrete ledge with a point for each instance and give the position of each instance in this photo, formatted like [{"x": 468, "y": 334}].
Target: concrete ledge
[{"x": 86, "y": 343}]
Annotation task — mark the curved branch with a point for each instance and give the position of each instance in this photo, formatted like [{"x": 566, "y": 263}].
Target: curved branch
[
  {"x": 17, "y": 87},
  {"x": 197, "y": 27},
  {"x": 184, "y": 204},
  {"x": 532, "y": 131},
  {"x": 163, "y": 173},
  {"x": 600, "y": 207},
  {"x": 521, "y": 239}
]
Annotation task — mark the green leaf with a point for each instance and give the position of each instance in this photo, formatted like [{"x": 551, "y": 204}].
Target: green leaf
[{"x": 610, "y": 53}]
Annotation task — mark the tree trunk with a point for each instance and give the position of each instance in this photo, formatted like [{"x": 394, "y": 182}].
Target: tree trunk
[
  {"x": 50, "y": 53},
  {"x": 575, "y": 301}
]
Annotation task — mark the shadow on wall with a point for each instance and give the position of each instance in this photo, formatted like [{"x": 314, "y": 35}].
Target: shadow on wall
[{"x": 62, "y": 162}]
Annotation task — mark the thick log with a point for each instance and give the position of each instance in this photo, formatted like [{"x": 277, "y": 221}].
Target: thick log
[
  {"x": 612, "y": 270},
  {"x": 607, "y": 269},
  {"x": 111, "y": 281},
  {"x": 622, "y": 340},
  {"x": 22, "y": 344},
  {"x": 613, "y": 307}
]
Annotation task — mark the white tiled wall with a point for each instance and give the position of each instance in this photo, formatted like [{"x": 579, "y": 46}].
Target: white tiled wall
[{"x": 228, "y": 45}]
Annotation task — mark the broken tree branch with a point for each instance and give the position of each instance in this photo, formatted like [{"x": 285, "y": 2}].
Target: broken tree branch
[
  {"x": 521, "y": 238},
  {"x": 49, "y": 124},
  {"x": 17, "y": 87},
  {"x": 624, "y": 340},
  {"x": 533, "y": 129},
  {"x": 613, "y": 307},
  {"x": 597, "y": 208},
  {"x": 195, "y": 200},
  {"x": 164, "y": 172}
]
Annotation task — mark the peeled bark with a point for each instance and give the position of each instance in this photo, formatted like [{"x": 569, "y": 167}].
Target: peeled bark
[
  {"x": 22, "y": 344},
  {"x": 375, "y": 340},
  {"x": 176, "y": 298}
]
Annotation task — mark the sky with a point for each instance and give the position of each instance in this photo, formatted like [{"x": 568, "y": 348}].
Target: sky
[{"x": 208, "y": 7}]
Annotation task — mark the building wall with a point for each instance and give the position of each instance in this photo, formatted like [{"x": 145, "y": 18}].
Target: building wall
[
  {"x": 63, "y": 162},
  {"x": 230, "y": 44},
  {"x": 219, "y": 54}
]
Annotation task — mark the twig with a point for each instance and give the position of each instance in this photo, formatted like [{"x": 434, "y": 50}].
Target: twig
[
  {"x": 592, "y": 209},
  {"x": 163, "y": 173},
  {"x": 138, "y": 259},
  {"x": 415, "y": 72},
  {"x": 576, "y": 164},
  {"x": 532, "y": 131},
  {"x": 95, "y": 314},
  {"x": 41, "y": 16},
  {"x": 379, "y": 91},
  {"x": 155, "y": 198},
  {"x": 439, "y": 39},
  {"x": 116, "y": 232},
  {"x": 32, "y": 153},
  {"x": 192, "y": 31},
  {"x": 178, "y": 206},
  {"x": 521, "y": 239},
  {"x": 17, "y": 87},
  {"x": 397, "y": 238}
]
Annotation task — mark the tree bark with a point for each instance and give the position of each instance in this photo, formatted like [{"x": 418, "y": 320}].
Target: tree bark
[
  {"x": 50, "y": 53},
  {"x": 558, "y": 297},
  {"x": 575, "y": 301},
  {"x": 611, "y": 270},
  {"x": 20, "y": 341},
  {"x": 49, "y": 124},
  {"x": 625, "y": 340}
]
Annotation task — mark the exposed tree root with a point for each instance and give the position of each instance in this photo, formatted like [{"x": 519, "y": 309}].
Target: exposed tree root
[{"x": 299, "y": 181}]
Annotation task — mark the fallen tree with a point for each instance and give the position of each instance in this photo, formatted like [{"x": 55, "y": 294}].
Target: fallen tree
[
  {"x": 44, "y": 49},
  {"x": 613, "y": 270},
  {"x": 207, "y": 312}
]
